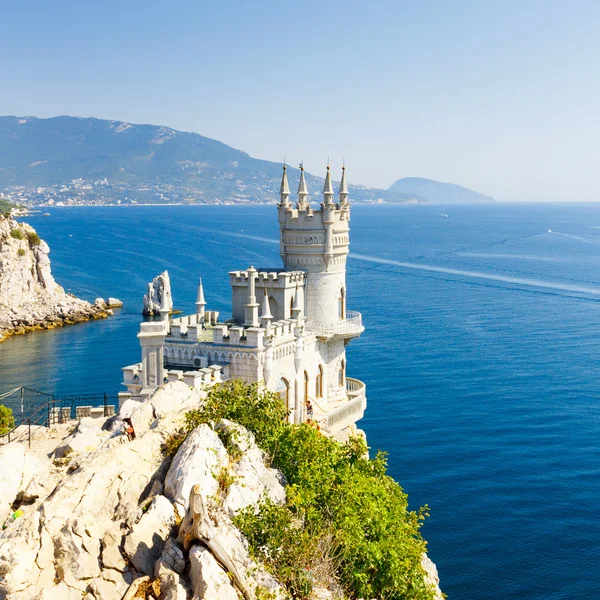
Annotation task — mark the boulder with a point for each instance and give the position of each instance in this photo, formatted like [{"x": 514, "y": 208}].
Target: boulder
[
  {"x": 157, "y": 289},
  {"x": 98, "y": 303},
  {"x": 12, "y": 458},
  {"x": 114, "y": 303},
  {"x": 146, "y": 542},
  {"x": 172, "y": 558},
  {"x": 88, "y": 435},
  {"x": 209, "y": 580},
  {"x": 252, "y": 479},
  {"x": 197, "y": 461}
]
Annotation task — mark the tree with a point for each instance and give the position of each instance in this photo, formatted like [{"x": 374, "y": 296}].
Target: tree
[{"x": 7, "y": 420}]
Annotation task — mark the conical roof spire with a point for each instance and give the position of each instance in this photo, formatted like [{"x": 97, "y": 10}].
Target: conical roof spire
[
  {"x": 200, "y": 302},
  {"x": 302, "y": 189},
  {"x": 266, "y": 307},
  {"x": 343, "y": 187},
  {"x": 284, "y": 191},
  {"x": 328, "y": 188}
]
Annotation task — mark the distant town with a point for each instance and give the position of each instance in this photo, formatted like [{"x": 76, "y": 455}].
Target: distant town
[{"x": 100, "y": 192}]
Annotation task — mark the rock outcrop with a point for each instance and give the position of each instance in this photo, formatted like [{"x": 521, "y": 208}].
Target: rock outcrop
[
  {"x": 158, "y": 288},
  {"x": 29, "y": 297},
  {"x": 113, "y": 517}
]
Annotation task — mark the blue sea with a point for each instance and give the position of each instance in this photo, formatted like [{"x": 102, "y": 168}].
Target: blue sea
[{"x": 481, "y": 357}]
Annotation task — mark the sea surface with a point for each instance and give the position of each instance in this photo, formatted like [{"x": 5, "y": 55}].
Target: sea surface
[{"x": 481, "y": 357}]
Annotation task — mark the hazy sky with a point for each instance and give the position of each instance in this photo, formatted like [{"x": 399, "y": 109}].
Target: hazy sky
[{"x": 500, "y": 96}]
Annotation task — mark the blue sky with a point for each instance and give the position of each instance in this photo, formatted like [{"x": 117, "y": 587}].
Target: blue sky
[{"x": 503, "y": 97}]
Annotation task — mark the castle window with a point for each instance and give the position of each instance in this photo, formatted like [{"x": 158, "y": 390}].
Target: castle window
[
  {"x": 292, "y": 307},
  {"x": 342, "y": 305},
  {"x": 305, "y": 387},
  {"x": 342, "y": 373},
  {"x": 319, "y": 383},
  {"x": 284, "y": 391}
]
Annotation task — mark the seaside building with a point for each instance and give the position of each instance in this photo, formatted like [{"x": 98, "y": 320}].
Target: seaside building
[{"x": 289, "y": 326}]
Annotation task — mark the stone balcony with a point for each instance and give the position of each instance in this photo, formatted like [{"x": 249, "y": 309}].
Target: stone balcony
[
  {"x": 349, "y": 327},
  {"x": 335, "y": 417}
]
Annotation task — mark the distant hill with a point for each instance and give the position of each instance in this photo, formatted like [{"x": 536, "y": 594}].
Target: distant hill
[
  {"x": 437, "y": 192},
  {"x": 118, "y": 161}
]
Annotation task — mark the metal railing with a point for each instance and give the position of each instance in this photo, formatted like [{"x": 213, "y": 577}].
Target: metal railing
[
  {"x": 352, "y": 324},
  {"x": 39, "y": 409}
]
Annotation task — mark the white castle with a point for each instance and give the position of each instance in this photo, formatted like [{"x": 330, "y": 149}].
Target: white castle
[{"x": 289, "y": 327}]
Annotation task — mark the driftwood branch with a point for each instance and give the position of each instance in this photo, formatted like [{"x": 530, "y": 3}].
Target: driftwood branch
[{"x": 197, "y": 526}]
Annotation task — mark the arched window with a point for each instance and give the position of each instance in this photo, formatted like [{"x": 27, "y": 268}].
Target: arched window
[
  {"x": 305, "y": 387},
  {"x": 292, "y": 307},
  {"x": 284, "y": 391},
  {"x": 342, "y": 305},
  {"x": 342, "y": 373},
  {"x": 319, "y": 383}
]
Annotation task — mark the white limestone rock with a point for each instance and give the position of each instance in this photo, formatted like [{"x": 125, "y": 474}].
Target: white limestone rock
[
  {"x": 209, "y": 580},
  {"x": 146, "y": 542},
  {"x": 431, "y": 576},
  {"x": 86, "y": 438},
  {"x": 157, "y": 289},
  {"x": 114, "y": 303},
  {"x": 29, "y": 296},
  {"x": 198, "y": 461},
  {"x": 172, "y": 558},
  {"x": 12, "y": 458},
  {"x": 171, "y": 587},
  {"x": 252, "y": 479}
]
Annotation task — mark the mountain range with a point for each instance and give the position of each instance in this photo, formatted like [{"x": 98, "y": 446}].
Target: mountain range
[{"x": 77, "y": 160}]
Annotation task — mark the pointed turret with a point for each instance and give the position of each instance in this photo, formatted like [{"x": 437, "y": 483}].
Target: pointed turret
[
  {"x": 328, "y": 188},
  {"x": 200, "y": 302},
  {"x": 302, "y": 189},
  {"x": 343, "y": 187},
  {"x": 284, "y": 191},
  {"x": 266, "y": 317}
]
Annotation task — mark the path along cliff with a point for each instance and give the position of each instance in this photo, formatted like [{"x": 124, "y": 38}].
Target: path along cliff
[
  {"x": 106, "y": 515},
  {"x": 30, "y": 299}
]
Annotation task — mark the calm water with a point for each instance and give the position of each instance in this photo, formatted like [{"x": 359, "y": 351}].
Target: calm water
[{"x": 481, "y": 358}]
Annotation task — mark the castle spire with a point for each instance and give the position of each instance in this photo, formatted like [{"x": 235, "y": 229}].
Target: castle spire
[
  {"x": 343, "y": 188},
  {"x": 266, "y": 317},
  {"x": 284, "y": 191},
  {"x": 328, "y": 188},
  {"x": 302, "y": 189},
  {"x": 200, "y": 302}
]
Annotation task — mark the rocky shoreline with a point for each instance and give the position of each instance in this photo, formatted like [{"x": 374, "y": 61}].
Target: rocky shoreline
[{"x": 30, "y": 298}]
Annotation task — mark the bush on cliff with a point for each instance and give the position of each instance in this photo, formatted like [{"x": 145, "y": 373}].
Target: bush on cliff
[
  {"x": 33, "y": 238},
  {"x": 16, "y": 233},
  {"x": 7, "y": 420},
  {"x": 345, "y": 522}
]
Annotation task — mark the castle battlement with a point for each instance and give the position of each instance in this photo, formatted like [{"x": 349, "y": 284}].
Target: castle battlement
[{"x": 289, "y": 326}]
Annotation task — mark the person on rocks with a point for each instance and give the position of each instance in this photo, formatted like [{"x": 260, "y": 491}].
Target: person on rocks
[{"x": 129, "y": 429}]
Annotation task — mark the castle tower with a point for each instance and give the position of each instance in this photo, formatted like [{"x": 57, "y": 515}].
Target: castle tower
[{"x": 318, "y": 242}]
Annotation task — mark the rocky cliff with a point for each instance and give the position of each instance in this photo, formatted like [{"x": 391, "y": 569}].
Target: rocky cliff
[
  {"x": 29, "y": 296},
  {"x": 108, "y": 517}
]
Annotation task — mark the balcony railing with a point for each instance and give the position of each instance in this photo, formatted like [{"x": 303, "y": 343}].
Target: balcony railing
[
  {"x": 350, "y": 326},
  {"x": 349, "y": 412}
]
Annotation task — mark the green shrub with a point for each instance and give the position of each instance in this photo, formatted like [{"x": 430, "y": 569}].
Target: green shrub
[
  {"x": 17, "y": 234},
  {"x": 7, "y": 420},
  {"x": 260, "y": 411},
  {"x": 345, "y": 523},
  {"x": 21, "y": 252},
  {"x": 346, "y": 504},
  {"x": 34, "y": 238}
]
